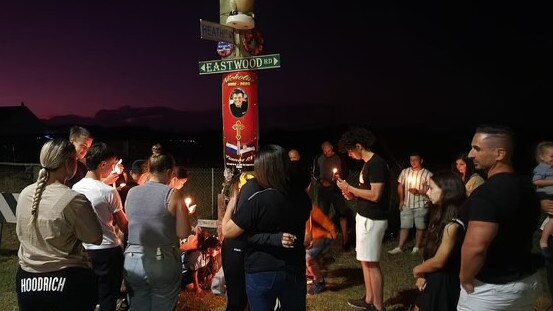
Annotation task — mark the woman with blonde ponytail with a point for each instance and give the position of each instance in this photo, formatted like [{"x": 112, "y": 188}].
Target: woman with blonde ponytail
[{"x": 52, "y": 222}]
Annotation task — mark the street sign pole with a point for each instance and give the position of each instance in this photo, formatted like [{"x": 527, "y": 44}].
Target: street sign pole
[{"x": 239, "y": 84}]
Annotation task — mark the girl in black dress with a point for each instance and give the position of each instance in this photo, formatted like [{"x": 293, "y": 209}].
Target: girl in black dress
[{"x": 438, "y": 276}]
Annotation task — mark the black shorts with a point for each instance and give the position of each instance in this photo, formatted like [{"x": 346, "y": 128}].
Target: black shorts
[{"x": 67, "y": 289}]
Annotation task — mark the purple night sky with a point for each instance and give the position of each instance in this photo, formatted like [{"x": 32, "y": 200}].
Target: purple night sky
[{"x": 386, "y": 61}]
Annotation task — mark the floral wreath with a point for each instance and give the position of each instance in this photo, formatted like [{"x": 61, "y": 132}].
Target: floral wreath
[{"x": 253, "y": 42}]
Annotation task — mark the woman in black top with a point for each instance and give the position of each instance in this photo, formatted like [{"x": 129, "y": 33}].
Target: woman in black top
[{"x": 282, "y": 206}]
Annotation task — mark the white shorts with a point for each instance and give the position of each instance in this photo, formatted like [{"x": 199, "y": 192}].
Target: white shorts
[
  {"x": 369, "y": 234},
  {"x": 513, "y": 296}
]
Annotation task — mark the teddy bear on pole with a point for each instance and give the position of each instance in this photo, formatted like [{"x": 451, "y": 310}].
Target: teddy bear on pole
[{"x": 241, "y": 14}]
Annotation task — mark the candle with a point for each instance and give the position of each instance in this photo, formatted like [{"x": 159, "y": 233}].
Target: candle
[
  {"x": 117, "y": 167},
  {"x": 334, "y": 171},
  {"x": 410, "y": 181},
  {"x": 191, "y": 208}
]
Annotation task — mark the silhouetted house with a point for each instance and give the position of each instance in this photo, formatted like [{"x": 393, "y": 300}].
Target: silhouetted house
[{"x": 21, "y": 134}]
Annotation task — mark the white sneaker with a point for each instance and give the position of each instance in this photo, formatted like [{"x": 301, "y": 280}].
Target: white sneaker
[
  {"x": 394, "y": 251},
  {"x": 415, "y": 250}
]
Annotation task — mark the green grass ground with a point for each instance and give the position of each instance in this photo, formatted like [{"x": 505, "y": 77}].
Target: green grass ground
[
  {"x": 343, "y": 276},
  {"x": 345, "y": 281}
]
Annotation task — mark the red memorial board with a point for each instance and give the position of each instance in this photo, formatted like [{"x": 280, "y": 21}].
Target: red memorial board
[{"x": 240, "y": 119}]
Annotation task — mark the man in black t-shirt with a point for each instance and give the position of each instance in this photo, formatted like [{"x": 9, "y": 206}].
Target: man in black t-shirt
[
  {"x": 501, "y": 217},
  {"x": 373, "y": 197}
]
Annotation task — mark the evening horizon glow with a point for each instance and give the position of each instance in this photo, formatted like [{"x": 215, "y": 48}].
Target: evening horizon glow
[{"x": 66, "y": 57}]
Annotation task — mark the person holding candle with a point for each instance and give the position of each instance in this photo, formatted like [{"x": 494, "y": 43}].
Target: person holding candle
[
  {"x": 106, "y": 258},
  {"x": 180, "y": 178},
  {"x": 413, "y": 202},
  {"x": 82, "y": 139},
  {"x": 372, "y": 195},
  {"x": 326, "y": 168},
  {"x": 157, "y": 220}
]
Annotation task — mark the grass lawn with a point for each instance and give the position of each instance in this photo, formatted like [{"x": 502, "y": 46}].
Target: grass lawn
[{"x": 344, "y": 279}]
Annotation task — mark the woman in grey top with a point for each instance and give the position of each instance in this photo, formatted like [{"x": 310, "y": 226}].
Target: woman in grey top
[
  {"x": 157, "y": 220},
  {"x": 52, "y": 222}
]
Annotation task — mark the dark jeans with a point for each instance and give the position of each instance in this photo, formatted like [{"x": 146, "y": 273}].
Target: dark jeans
[
  {"x": 65, "y": 290},
  {"x": 265, "y": 287},
  {"x": 233, "y": 252},
  {"x": 548, "y": 257},
  {"x": 108, "y": 267}
]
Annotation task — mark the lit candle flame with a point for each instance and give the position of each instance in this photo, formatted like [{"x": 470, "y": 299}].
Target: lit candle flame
[
  {"x": 191, "y": 208},
  {"x": 117, "y": 168},
  {"x": 334, "y": 171},
  {"x": 410, "y": 181}
]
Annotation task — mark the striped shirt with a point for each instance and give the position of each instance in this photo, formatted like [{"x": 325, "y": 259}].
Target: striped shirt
[{"x": 419, "y": 180}]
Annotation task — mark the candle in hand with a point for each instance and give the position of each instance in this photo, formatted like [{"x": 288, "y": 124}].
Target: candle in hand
[
  {"x": 117, "y": 168},
  {"x": 334, "y": 171},
  {"x": 187, "y": 202},
  {"x": 410, "y": 182}
]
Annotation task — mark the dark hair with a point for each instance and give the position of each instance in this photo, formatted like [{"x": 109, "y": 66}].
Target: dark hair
[
  {"x": 272, "y": 168},
  {"x": 160, "y": 161},
  {"x": 181, "y": 172},
  {"x": 502, "y": 136},
  {"x": 75, "y": 132},
  {"x": 415, "y": 154},
  {"x": 96, "y": 154},
  {"x": 442, "y": 213},
  {"x": 237, "y": 91},
  {"x": 137, "y": 166},
  {"x": 357, "y": 135},
  {"x": 470, "y": 166},
  {"x": 210, "y": 242}
]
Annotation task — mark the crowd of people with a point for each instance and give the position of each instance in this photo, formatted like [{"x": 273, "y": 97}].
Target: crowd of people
[{"x": 84, "y": 237}]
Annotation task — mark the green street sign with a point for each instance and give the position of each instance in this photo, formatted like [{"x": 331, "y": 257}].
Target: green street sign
[{"x": 238, "y": 64}]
